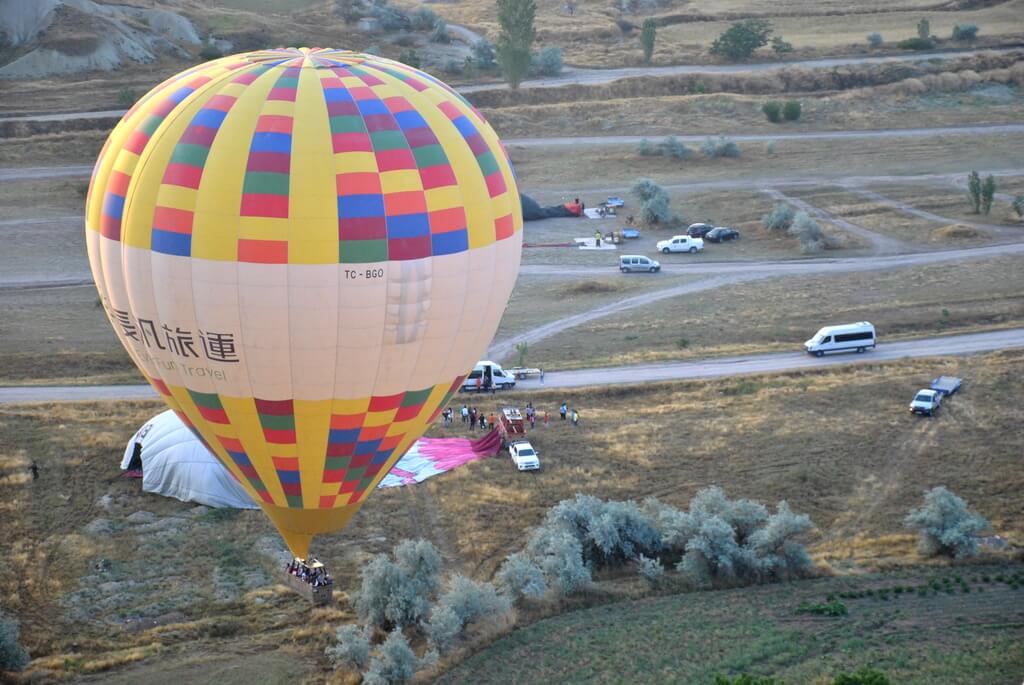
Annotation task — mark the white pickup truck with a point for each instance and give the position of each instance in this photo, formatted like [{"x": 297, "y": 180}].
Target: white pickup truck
[
  {"x": 524, "y": 456},
  {"x": 681, "y": 243},
  {"x": 926, "y": 402}
]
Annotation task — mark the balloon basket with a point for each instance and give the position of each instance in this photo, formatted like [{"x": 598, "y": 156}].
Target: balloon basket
[{"x": 317, "y": 595}]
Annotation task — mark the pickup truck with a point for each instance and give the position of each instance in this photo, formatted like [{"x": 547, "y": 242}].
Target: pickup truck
[
  {"x": 524, "y": 456},
  {"x": 681, "y": 243},
  {"x": 926, "y": 402}
]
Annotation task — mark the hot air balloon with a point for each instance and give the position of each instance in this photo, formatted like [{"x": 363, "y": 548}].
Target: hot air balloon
[{"x": 304, "y": 251}]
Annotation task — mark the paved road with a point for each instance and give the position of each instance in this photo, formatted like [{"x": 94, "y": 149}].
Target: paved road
[
  {"x": 984, "y": 129},
  {"x": 571, "y": 76},
  {"x": 723, "y": 273},
  {"x": 30, "y": 173},
  {"x": 971, "y": 343}
]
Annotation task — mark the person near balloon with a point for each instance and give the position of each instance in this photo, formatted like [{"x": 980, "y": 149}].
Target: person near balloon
[
  {"x": 465, "y": 414},
  {"x": 563, "y": 410},
  {"x": 472, "y": 418},
  {"x": 545, "y": 419},
  {"x": 575, "y": 418}
]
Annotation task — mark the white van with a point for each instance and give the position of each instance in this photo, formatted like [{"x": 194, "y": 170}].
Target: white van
[
  {"x": 636, "y": 262},
  {"x": 851, "y": 336},
  {"x": 487, "y": 375}
]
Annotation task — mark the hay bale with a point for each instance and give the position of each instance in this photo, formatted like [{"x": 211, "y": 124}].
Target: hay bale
[{"x": 957, "y": 232}]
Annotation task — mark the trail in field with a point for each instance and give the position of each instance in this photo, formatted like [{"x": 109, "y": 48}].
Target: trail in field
[
  {"x": 574, "y": 76},
  {"x": 970, "y": 343},
  {"x": 1005, "y": 231},
  {"x": 880, "y": 244},
  {"x": 982, "y": 129}
]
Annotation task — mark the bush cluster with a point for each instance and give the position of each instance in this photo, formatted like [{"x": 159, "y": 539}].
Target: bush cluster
[
  {"x": 547, "y": 62},
  {"x": 483, "y": 55},
  {"x": 13, "y": 656},
  {"x": 875, "y": 39},
  {"x": 808, "y": 232},
  {"x": 396, "y": 592},
  {"x": 654, "y": 203},
  {"x": 719, "y": 147},
  {"x": 669, "y": 147},
  {"x": 945, "y": 525},
  {"x": 965, "y": 32},
  {"x": 780, "y": 218},
  {"x": 917, "y": 43},
  {"x": 776, "y": 111}
]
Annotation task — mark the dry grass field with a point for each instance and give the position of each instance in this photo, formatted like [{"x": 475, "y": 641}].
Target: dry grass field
[
  {"x": 99, "y": 584},
  {"x": 814, "y": 160},
  {"x": 953, "y": 202},
  {"x": 779, "y": 314}
]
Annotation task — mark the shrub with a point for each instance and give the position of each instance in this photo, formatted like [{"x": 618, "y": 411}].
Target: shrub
[
  {"x": 916, "y": 44},
  {"x": 780, "y": 218},
  {"x": 774, "y": 546},
  {"x": 13, "y": 656},
  {"x": 547, "y": 62},
  {"x": 608, "y": 532},
  {"x": 862, "y": 676},
  {"x": 391, "y": 18},
  {"x": 397, "y": 593},
  {"x": 210, "y": 51},
  {"x": 647, "y": 36},
  {"x": 560, "y": 557},
  {"x": 394, "y": 663},
  {"x": 1018, "y": 206},
  {"x": 651, "y": 569},
  {"x": 352, "y": 648},
  {"x": 808, "y": 232},
  {"x": 654, "y": 203},
  {"x": 720, "y": 147},
  {"x": 945, "y": 525},
  {"x": 440, "y": 34},
  {"x": 772, "y": 111},
  {"x": 974, "y": 191},
  {"x": 781, "y": 46},
  {"x": 424, "y": 19},
  {"x": 740, "y": 40},
  {"x": 126, "y": 97},
  {"x": 700, "y": 88},
  {"x": 875, "y": 39},
  {"x": 746, "y": 679},
  {"x": 833, "y": 608},
  {"x": 471, "y": 600},
  {"x": 453, "y": 66},
  {"x": 444, "y": 628},
  {"x": 769, "y": 147},
  {"x": 671, "y": 147},
  {"x": 483, "y": 54},
  {"x": 713, "y": 552},
  {"x": 965, "y": 32},
  {"x": 410, "y": 57},
  {"x": 647, "y": 149},
  {"x": 791, "y": 110},
  {"x": 988, "y": 192},
  {"x": 520, "y": 577},
  {"x": 924, "y": 28}
]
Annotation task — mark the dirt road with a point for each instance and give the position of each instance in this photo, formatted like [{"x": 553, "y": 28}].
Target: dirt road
[
  {"x": 972, "y": 343},
  {"x": 571, "y": 76}
]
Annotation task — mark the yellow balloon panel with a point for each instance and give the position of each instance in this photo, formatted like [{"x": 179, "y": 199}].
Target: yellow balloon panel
[{"x": 304, "y": 251}]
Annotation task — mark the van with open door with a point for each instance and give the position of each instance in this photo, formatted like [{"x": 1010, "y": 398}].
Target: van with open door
[
  {"x": 850, "y": 337},
  {"x": 487, "y": 375}
]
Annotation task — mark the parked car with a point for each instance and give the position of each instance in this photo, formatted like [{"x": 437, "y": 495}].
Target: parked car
[
  {"x": 698, "y": 230},
  {"x": 524, "y": 456},
  {"x": 632, "y": 262},
  {"x": 926, "y": 402},
  {"x": 852, "y": 336},
  {"x": 720, "y": 234},
  {"x": 681, "y": 243}
]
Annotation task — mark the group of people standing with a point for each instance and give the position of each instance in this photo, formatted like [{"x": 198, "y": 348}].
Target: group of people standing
[
  {"x": 475, "y": 418},
  {"x": 313, "y": 572}
]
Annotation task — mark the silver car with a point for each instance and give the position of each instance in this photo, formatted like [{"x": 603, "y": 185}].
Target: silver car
[{"x": 632, "y": 262}]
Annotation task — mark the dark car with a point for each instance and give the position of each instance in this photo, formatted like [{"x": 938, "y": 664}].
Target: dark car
[
  {"x": 721, "y": 234},
  {"x": 698, "y": 230}
]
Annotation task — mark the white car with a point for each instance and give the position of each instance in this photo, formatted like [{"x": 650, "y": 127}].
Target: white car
[
  {"x": 681, "y": 243},
  {"x": 524, "y": 456},
  {"x": 926, "y": 402}
]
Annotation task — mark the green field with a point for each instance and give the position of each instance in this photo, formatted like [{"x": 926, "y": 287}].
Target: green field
[{"x": 923, "y": 631}]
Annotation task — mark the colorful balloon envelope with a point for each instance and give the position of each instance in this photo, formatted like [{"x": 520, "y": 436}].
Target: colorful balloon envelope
[{"x": 304, "y": 251}]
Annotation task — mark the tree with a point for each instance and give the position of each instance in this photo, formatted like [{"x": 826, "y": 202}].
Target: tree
[
  {"x": 13, "y": 656},
  {"x": 1018, "y": 206},
  {"x": 483, "y": 53},
  {"x": 945, "y": 525},
  {"x": 647, "y": 35},
  {"x": 965, "y": 32},
  {"x": 410, "y": 57},
  {"x": 780, "y": 218},
  {"x": 791, "y": 110},
  {"x": 781, "y": 46},
  {"x": 397, "y": 593},
  {"x": 988, "y": 192},
  {"x": 440, "y": 33},
  {"x": 772, "y": 110},
  {"x": 875, "y": 39},
  {"x": 924, "y": 29},
  {"x": 547, "y": 62},
  {"x": 352, "y": 648},
  {"x": 520, "y": 577},
  {"x": 740, "y": 40},
  {"x": 522, "y": 348},
  {"x": 516, "y": 38},
  {"x": 395, "y": 662},
  {"x": 974, "y": 191}
]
